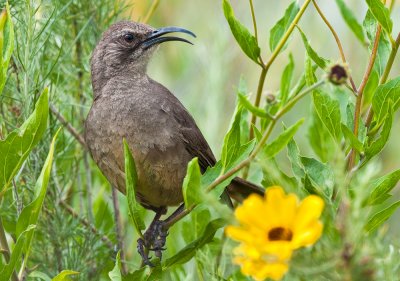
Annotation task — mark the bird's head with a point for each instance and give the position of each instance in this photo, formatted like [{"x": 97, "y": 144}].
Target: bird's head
[{"x": 127, "y": 46}]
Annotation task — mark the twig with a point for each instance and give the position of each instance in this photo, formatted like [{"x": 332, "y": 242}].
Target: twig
[
  {"x": 118, "y": 227},
  {"x": 265, "y": 67},
  {"x": 68, "y": 126},
  {"x": 338, "y": 42},
  {"x": 87, "y": 224},
  {"x": 151, "y": 11},
  {"x": 360, "y": 94},
  {"x": 5, "y": 250},
  {"x": 385, "y": 75}
]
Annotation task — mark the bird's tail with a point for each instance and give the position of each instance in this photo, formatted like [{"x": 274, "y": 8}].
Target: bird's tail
[{"x": 239, "y": 189}]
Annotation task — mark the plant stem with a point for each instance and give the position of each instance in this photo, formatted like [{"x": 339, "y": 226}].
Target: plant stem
[
  {"x": 118, "y": 227},
  {"x": 360, "y": 94},
  {"x": 338, "y": 42},
  {"x": 388, "y": 68},
  {"x": 151, "y": 11},
  {"x": 254, "y": 19},
  {"x": 253, "y": 154},
  {"x": 265, "y": 67}
]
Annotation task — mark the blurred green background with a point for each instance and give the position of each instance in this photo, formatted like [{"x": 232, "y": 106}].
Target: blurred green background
[{"x": 54, "y": 40}]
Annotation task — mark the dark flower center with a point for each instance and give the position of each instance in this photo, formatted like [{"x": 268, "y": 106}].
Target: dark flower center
[{"x": 280, "y": 234}]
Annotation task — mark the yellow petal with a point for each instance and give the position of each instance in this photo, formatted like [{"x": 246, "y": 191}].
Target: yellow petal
[
  {"x": 274, "y": 271},
  {"x": 281, "y": 208},
  {"x": 238, "y": 234},
  {"x": 308, "y": 212},
  {"x": 252, "y": 212},
  {"x": 307, "y": 236},
  {"x": 282, "y": 250}
]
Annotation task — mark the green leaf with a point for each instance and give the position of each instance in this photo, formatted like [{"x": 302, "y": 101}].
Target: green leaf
[
  {"x": 282, "y": 140},
  {"x": 282, "y": 25},
  {"x": 381, "y": 14},
  {"x": 320, "y": 175},
  {"x": 328, "y": 110},
  {"x": 259, "y": 112},
  {"x": 384, "y": 95},
  {"x": 30, "y": 214},
  {"x": 40, "y": 275},
  {"x": 351, "y": 21},
  {"x": 8, "y": 269},
  {"x": 382, "y": 186},
  {"x": 377, "y": 145},
  {"x": 379, "y": 218},
  {"x": 6, "y": 44},
  {"x": 384, "y": 48},
  {"x": 320, "y": 139},
  {"x": 189, "y": 251},
  {"x": 321, "y": 62},
  {"x": 115, "y": 273},
  {"x": 135, "y": 209},
  {"x": 286, "y": 80},
  {"x": 64, "y": 275},
  {"x": 354, "y": 142},
  {"x": 19, "y": 143},
  {"x": 192, "y": 193},
  {"x": 246, "y": 41}
]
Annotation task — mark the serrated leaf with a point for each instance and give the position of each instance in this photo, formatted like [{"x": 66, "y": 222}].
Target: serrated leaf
[
  {"x": 8, "y": 269},
  {"x": 354, "y": 142},
  {"x": 6, "y": 44},
  {"x": 245, "y": 39},
  {"x": 351, "y": 21},
  {"x": 328, "y": 110},
  {"x": 321, "y": 62},
  {"x": 135, "y": 209},
  {"x": 384, "y": 95},
  {"x": 379, "y": 218},
  {"x": 64, "y": 275},
  {"x": 320, "y": 175},
  {"x": 320, "y": 139},
  {"x": 231, "y": 145},
  {"x": 382, "y": 186},
  {"x": 192, "y": 193},
  {"x": 282, "y": 25},
  {"x": 384, "y": 48},
  {"x": 189, "y": 251},
  {"x": 286, "y": 80},
  {"x": 381, "y": 14},
  {"x": 377, "y": 145},
  {"x": 19, "y": 143},
  {"x": 282, "y": 140}
]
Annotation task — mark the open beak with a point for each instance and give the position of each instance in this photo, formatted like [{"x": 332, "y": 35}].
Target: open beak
[{"x": 155, "y": 37}]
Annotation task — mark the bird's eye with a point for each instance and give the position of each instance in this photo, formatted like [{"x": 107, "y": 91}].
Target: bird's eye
[{"x": 128, "y": 37}]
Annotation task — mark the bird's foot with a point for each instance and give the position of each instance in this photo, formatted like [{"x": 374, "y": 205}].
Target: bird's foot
[{"x": 153, "y": 240}]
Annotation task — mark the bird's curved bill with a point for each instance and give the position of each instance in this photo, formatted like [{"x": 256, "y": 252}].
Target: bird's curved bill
[{"x": 155, "y": 37}]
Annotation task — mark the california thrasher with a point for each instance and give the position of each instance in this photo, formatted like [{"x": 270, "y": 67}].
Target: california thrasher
[{"x": 162, "y": 135}]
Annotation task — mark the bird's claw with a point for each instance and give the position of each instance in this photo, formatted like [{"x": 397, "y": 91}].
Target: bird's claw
[{"x": 154, "y": 240}]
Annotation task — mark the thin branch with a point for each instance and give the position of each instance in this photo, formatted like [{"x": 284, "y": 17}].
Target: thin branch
[
  {"x": 385, "y": 75},
  {"x": 338, "y": 42},
  {"x": 254, "y": 19},
  {"x": 265, "y": 67},
  {"x": 68, "y": 126},
  {"x": 360, "y": 94},
  {"x": 87, "y": 224},
  {"x": 151, "y": 11}
]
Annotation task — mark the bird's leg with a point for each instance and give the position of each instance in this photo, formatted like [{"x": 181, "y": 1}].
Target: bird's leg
[{"x": 150, "y": 235}]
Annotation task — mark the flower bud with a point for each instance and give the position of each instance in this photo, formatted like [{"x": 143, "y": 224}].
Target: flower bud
[{"x": 338, "y": 74}]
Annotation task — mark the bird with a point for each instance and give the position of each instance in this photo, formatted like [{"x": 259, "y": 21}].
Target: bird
[{"x": 162, "y": 135}]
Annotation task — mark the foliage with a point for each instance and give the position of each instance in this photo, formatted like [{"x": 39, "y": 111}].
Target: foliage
[{"x": 56, "y": 215}]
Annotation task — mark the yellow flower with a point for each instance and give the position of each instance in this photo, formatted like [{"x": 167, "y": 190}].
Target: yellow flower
[{"x": 271, "y": 228}]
